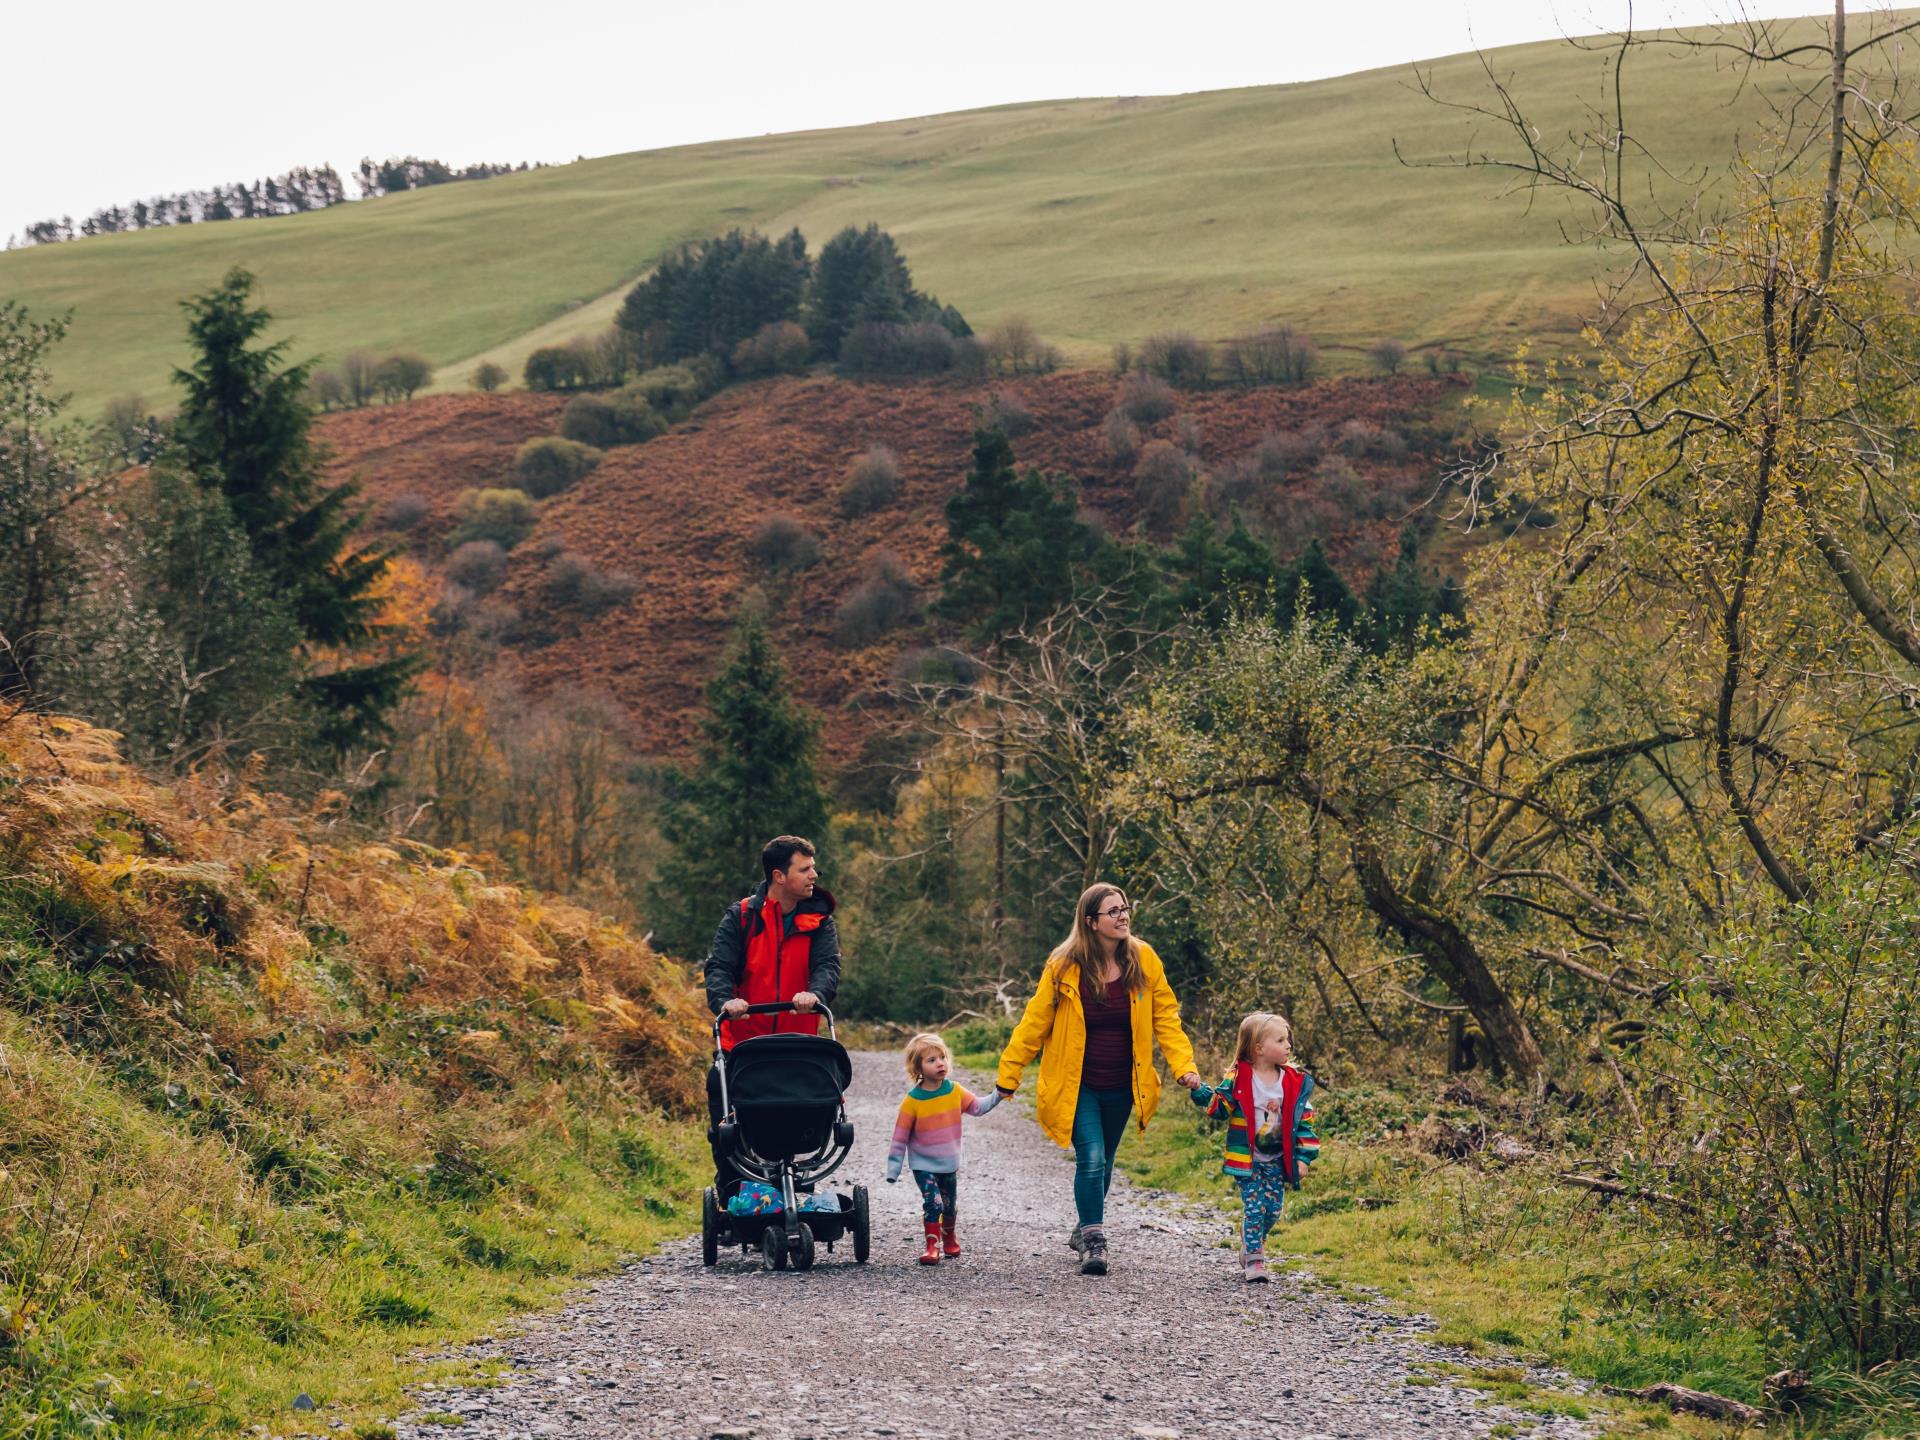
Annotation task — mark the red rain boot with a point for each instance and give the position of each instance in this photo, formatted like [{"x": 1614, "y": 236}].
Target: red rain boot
[
  {"x": 951, "y": 1246},
  {"x": 932, "y": 1257}
]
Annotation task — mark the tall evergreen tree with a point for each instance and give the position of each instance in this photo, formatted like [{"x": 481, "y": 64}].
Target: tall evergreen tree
[
  {"x": 756, "y": 777},
  {"x": 1014, "y": 543},
  {"x": 244, "y": 430}
]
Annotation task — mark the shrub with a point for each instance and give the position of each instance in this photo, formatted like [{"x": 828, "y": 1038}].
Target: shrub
[
  {"x": 398, "y": 376},
  {"x": 555, "y": 367},
  {"x": 1015, "y": 349},
  {"x": 504, "y": 516},
  {"x": 1122, "y": 436},
  {"x": 885, "y": 600},
  {"x": 1364, "y": 440},
  {"x": 1339, "y": 483},
  {"x": 403, "y": 512},
  {"x": 488, "y": 377},
  {"x": 780, "y": 348},
  {"x": 1796, "y": 1038},
  {"x": 782, "y": 543},
  {"x": 1010, "y": 414},
  {"x": 1122, "y": 358},
  {"x": 358, "y": 371},
  {"x": 1281, "y": 454},
  {"x": 549, "y": 464},
  {"x": 1178, "y": 358},
  {"x": 1388, "y": 356},
  {"x": 872, "y": 483},
  {"x": 478, "y": 566},
  {"x": 1162, "y": 480},
  {"x": 970, "y": 359},
  {"x": 1234, "y": 485},
  {"x": 573, "y": 582},
  {"x": 1145, "y": 398},
  {"x": 1278, "y": 355},
  {"x": 622, "y": 419},
  {"x": 674, "y": 390},
  {"x": 876, "y": 349},
  {"x": 327, "y": 388},
  {"x": 1186, "y": 433}
]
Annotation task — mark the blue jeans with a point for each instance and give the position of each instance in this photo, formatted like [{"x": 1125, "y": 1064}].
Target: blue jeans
[{"x": 1099, "y": 1120}]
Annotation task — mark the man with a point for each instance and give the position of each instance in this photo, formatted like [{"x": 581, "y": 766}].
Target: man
[{"x": 778, "y": 943}]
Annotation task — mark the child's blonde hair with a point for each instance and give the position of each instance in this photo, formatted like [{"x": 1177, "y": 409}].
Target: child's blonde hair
[
  {"x": 919, "y": 1047},
  {"x": 1255, "y": 1028}
]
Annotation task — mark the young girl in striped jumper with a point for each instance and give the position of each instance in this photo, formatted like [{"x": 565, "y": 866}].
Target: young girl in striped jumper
[
  {"x": 1268, "y": 1105},
  {"x": 926, "y": 1138}
]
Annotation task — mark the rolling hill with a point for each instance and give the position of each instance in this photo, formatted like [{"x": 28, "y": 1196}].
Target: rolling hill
[{"x": 1097, "y": 219}]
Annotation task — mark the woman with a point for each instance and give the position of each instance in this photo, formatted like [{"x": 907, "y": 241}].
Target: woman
[{"x": 1103, "y": 1000}]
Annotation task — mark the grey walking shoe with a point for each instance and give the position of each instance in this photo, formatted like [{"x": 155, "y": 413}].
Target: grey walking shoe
[
  {"x": 1074, "y": 1242},
  {"x": 1093, "y": 1250},
  {"x": 1253, "y": 1269}
]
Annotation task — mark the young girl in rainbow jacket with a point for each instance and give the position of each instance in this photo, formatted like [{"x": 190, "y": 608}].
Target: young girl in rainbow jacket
[
  {"x": 926, "y": 1139},
  {"x": 1270, "y": 1138}
]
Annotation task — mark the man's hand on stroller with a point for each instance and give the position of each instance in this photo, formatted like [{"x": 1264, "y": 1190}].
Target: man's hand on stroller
[
  {"x": 805, "y": 1000},
  {"x": 735, "y": 1006}
]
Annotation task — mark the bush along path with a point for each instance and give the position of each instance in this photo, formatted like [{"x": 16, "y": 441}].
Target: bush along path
[{"x": 1007, "y": 1340}]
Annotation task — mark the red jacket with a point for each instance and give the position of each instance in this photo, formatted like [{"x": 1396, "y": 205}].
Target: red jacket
[{"x": 760, "y": 955}]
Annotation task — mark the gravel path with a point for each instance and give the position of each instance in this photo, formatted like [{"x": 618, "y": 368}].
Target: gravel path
[{"x": 1007, "y": 1341}]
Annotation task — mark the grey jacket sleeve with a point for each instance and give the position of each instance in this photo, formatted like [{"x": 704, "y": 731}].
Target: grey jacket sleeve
[
  {"x": 727, "y": 960},
  {"x": 823, "y": 965}
]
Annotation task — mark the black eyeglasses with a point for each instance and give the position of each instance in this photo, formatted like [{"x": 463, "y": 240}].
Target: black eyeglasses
[{"x": 1112, "y": 913}]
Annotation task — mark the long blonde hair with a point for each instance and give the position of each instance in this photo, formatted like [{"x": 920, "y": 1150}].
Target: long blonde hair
[
  {"x": 1255, "y": 1028},
  {"x": 1082, "y": 946}
]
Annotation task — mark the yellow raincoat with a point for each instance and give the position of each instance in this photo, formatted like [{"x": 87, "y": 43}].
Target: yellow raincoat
[{"x": 1055, "y": 1029}]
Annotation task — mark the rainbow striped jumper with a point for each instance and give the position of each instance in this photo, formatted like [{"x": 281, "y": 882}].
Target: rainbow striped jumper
[{"x": 927, "y": 1134}]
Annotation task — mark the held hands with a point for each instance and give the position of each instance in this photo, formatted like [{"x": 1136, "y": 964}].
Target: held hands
[{"x": 1191, "y": 1080}]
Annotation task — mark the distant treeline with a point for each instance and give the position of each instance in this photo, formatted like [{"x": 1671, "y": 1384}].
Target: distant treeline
[{"x": 298, "y": 190}]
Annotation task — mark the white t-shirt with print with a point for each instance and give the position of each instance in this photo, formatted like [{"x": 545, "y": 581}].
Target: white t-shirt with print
[{"x": 1269, "y": 1106}]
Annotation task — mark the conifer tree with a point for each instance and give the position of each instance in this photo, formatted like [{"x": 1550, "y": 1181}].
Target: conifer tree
[
  {"x": 756, "y": 777},
  {"x": 1013, "y": 544},
  {"x": 243, "y": 429}
]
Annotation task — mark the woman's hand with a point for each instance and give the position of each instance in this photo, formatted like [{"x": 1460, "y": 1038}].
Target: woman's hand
[{"x": 1191, "y": 1080}]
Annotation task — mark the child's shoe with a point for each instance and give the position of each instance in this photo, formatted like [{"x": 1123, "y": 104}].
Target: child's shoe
[
  {"x": 1093, "y": 1250},
  {"x": 932, "y": 1255},
  {"x": 1253, "y": 1269},
  {"x": 949, "y": 1246}
]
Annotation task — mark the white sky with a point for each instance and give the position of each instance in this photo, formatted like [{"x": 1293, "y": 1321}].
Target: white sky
[{"x": 106, "y": 101}]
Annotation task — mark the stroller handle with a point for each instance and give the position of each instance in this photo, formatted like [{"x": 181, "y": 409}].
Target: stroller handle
[{"x": 775, "y": 1007}]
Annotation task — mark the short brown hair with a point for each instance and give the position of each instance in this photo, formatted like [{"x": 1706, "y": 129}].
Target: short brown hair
[{"x": 778, "y": 853}]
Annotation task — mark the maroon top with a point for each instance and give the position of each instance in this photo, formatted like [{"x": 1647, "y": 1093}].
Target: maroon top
[{"x": 1109, "y": 1059}]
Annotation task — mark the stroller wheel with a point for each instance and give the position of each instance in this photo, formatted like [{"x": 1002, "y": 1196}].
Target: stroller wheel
[
  {"x": 709, "y": 1227},
  {"x": 773, "y": 1248},
  {"x": 861, "y": 1226},
  {"x": 802, "y": 1248}
]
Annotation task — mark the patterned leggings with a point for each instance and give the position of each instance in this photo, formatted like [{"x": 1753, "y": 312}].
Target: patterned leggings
[
  {"x": 937, "y": 1194},
  {"x": 1261, "y": 1195}
]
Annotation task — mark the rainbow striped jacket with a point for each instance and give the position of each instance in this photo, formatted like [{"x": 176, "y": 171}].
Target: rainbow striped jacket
[{"x": 1233, "y": 1098}]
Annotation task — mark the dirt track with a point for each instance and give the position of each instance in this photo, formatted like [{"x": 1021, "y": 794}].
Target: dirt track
[{"x": 1008, "y": 1341}]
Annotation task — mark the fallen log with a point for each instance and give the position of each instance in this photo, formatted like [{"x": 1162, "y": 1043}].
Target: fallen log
[
  {"x": 1694, "y": 1402},
  {"x": 1614, "y": 1187}
]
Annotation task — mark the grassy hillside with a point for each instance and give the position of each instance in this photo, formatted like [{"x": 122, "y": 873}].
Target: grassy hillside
[
  {"x": 278, "y": 1110},
  {"x": 1097, "y": 219}
]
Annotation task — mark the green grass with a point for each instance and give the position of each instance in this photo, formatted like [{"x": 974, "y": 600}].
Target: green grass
[
  {"x": 1507, "y": 1262},
  {"x": 1099, "y": 220},
  {"x": 201, "y": 1307}
]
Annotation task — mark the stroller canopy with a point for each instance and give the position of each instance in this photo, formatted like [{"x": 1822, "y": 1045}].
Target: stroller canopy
[{"x": 786, "y": 1091}]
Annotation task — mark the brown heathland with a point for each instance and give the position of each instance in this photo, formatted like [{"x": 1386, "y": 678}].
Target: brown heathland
[{"x": 677, "y": 513}]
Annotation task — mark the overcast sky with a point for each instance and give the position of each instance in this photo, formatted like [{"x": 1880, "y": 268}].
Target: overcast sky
[{"x": 107, "y": 101}]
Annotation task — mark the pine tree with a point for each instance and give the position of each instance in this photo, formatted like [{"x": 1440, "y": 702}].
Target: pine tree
[
  {"x": 243, "y": 429},
  {"x": 1013, "y": 545},
  {"x": 756, "y": 777}
]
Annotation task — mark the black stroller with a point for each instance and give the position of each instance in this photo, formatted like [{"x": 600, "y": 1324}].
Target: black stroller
[{"x": 783, "y": 1122}]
